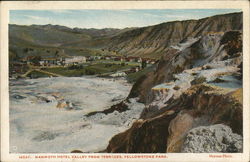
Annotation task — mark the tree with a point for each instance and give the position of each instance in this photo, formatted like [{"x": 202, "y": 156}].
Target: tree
[
  {"x": 57, "y": 53},
  {"x": 35, "y": 60},
  {"x": 143, "y": 64}
]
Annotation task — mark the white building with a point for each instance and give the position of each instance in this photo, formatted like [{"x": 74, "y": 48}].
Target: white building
[{"x": 75, "y": 60}]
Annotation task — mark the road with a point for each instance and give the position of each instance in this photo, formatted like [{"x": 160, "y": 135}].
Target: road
[{"x": 41, "y": 71}]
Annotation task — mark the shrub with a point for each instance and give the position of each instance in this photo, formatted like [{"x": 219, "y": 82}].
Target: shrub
[
  {"x": 176, "y": 88},
  {"x": 198, "y": 80}
]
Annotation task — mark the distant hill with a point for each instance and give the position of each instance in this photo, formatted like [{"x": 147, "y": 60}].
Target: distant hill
[
  {"x": 151, "y": 41},
  {"x": 46, "y": 35},
  {"x": 46, "y": 40}
]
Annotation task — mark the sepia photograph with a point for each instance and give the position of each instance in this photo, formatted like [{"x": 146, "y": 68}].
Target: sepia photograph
[{"x": 137, "y": 81}]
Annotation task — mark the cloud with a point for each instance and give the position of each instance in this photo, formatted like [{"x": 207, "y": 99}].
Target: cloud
[
  {"x": 152, "y": 15},
  {"x": 101, "y": 18},
  {"x": 182, "y": 17},
  {"x": 61, "y": 11},
  {"x": 124, "y": 10},
  {"x": 34, "y": 17}
]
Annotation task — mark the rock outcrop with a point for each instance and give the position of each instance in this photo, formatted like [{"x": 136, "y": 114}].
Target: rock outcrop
[
  {"x": 200, "y": 105},
  {"x": 212, "y": 139}
]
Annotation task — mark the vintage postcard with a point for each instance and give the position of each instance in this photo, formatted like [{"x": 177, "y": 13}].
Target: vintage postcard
[{"x": 125, "y": 81}]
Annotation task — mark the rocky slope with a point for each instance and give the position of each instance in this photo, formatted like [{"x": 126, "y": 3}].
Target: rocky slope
[
  {"x": 153, "y": 41},
  {"x": 206, "y": 55},
  {"x": 197, "y": 85},
  {"x": 201, "y": 105}
]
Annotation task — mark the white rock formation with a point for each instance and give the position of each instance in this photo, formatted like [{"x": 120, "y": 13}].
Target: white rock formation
[{"x": 212, "y": 139}]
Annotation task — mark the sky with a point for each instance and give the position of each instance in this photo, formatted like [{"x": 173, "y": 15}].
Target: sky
[{"x": 109, "y": 18}]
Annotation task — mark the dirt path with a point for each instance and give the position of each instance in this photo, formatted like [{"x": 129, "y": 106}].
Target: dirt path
[{"x": 41, "y": 71}]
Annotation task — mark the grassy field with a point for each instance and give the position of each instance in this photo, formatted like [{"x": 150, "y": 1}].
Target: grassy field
[
  {"x": 36, "y": 74},
  {"x": 132, "y": 77},
  {"x": 118, "y": 62},
  {"x": 66, "y": 72},
  {"x": 97, "y": 68}
]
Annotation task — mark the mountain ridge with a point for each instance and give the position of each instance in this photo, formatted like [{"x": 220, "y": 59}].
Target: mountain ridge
[
  {"x": 154, "y": 40},
  {"x": 150, "y": 41}
]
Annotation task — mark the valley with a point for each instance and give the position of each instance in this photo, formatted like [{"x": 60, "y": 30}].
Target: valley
[{"x": 175, "y": 87}]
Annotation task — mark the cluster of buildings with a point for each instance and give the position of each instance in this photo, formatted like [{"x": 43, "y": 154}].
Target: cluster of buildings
[
  {"x": 17, "y": 67},
  {"x": 54, "y": 61},
  {"x": 75, "y": 60},
  {"x": 22, "y": 65},
  {"x": 62, "y": 61},
  {"x": 122, "y": 59}
]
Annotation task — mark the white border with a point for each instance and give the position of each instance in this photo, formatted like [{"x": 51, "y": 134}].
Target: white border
[{"x": 15, "y": 5}]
